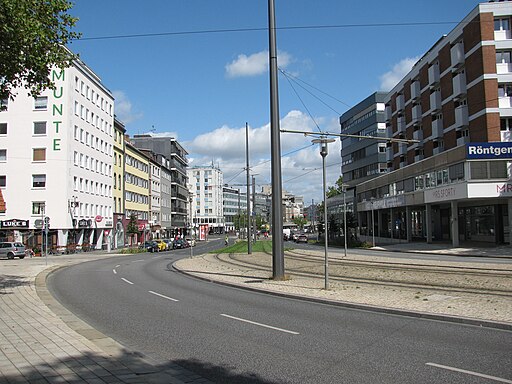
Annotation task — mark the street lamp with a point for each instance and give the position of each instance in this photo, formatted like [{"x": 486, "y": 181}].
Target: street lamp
[
  {"x": 344, "y": 219},
  {"x": 190, "y": 222},
  {"x": 324, "y": 141}
]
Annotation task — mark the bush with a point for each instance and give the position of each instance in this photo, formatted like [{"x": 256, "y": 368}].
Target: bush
[{"x": 132, "y": 250}]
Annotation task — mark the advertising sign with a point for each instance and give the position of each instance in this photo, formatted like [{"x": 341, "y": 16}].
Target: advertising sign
[
  {"x": 446, "y": 193},
  {"x": 493, "y": 150},
  {"x": 14, "y": 223},
  {"x": 203, "y": 232}
]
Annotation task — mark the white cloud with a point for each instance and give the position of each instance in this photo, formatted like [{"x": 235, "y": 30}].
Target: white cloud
[
  {"x": 123, "y": 108},
  {"x": 301, "y": 162},
  {"x": 255, "y": 64},
  {"x": 391, "y": 78}
]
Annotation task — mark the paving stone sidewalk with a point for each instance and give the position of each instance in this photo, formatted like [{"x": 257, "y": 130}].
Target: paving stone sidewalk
[{"x": 42, "y": 342}]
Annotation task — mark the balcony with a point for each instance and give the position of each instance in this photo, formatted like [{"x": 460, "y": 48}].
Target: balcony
[
  {"x": 387, "y": 112},
  {"x": 437, "y": 150},
  {"x": 400, "y": 102},
  {"x": 461, "y": 116},
  {"x": 502, "y": 68},
  {"x": 437, "y": 128},
  {"x": 400, "y": 124},
  {"x": 459, "y": 85},
  {"x": 418, "y": 135},
  {"x": 433, "y": 74},
  {"x": 505, "y": 102},
  {"x": 415, "y": 90},
  {"x": 457, "y": 54},
  {"x": 418, "y": 157},
  {"x": 502, "y": 35},
  {"x": 416, "y": 113},
  {"x": 389, "y": 154},
  {"x": 435, "y": 100},
  {"x": 462, "y": 140},
  {"x": 506, "y": 135},
  {"x": 402, "y": 149}
]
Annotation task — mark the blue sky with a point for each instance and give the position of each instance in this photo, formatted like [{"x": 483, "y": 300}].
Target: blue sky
[{"x": 203, "y": 87}]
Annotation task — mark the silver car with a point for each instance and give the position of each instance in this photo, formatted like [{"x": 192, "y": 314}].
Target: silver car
[{"x": 12, "y": 249}]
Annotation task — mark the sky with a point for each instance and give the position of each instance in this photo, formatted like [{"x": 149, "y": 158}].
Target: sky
[{"x": 197, "y": 70}]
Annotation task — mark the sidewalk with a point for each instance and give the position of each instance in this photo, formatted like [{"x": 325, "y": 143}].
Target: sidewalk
[
  {"x": 502, "y": 251},
  {"x": 42, "y": 342}
]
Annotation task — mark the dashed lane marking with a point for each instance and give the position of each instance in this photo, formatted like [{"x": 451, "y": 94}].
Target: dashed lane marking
[
  {"x": 163, "y": 296},
  {"x": 501, "y": 380},
  {"x": 260, "y": 324}
]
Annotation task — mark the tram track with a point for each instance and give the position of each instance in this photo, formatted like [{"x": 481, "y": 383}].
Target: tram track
[{"x": 449, "y": 279}]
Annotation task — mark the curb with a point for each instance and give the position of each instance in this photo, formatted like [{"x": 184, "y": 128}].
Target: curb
[
  {"x": 418, "y": 252},
  {"x": 363, "y": 307}
]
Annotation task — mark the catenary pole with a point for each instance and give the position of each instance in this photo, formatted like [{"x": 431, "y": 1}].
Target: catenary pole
[
  {"x": 249, "y": 242},
  {"x": 275, "y": 144}
]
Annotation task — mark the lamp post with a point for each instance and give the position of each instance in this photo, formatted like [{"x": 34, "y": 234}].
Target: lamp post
[
  {"x": 324, "y": 141},
  {"x": 373, "y": 224},
  {"x": 190, "y": 234},
  {"x": 345, "y": 219}
]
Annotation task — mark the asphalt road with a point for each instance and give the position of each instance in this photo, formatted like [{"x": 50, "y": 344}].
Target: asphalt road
[{"x": 235, "y": 336}]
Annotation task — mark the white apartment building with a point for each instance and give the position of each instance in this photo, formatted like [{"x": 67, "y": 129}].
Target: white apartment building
[
  {"x": 56, "y": 156},
  {"x": 207, "y": 185}
]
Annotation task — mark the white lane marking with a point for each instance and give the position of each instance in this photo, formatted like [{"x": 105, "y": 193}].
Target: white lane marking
[
  {"x": 470, "y": 373},
  {"x": 165, "y": 297},
  {"x": 128, "y": 281},
  {"x": 115, "y": 272},
  {"x": 137, "y": 261},
  {"x": 117, "y": 266},
  {"x": 259, "y": 324}
]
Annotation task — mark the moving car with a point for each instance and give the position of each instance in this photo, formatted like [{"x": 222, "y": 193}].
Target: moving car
[
  {"x": 12, "y": 249},
  {"x": 191, "y": 242},
  {"x": 302, "y": 238}
]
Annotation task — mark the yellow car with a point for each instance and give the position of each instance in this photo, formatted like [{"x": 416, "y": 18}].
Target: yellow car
[{"x": 161, "y": 245}]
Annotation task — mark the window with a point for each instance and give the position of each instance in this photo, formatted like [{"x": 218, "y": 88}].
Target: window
[
  {"x": 38, "y": 181},
  {"x": 4, "y": 103},
  {"x": 3, "y": 128},
  {"x": 456, "y": 171},
  {"x": 504, "y": 90},
  {"x": 503, "y": 57},
  {"x": 498, "y": 169},
  {"x": 39, "y": 154},
  {"x": 501, "y": 24},
  {"x": 506, "y": 124},
  {"x": 3, "y": 180},
  {"x": 40, "y": 128},
  {"x": 3, "y": 154},
  {"x": 41, "y": 102},
  {"x": 38, "y": 207}
]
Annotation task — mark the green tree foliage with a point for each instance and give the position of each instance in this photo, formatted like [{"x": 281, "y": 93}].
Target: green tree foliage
[
  {"x": 337, "y": 189},
  {"x": 33, "y": 35},
  {"x": 133, "y": 227},
  {"x": 300, "y": 221}
]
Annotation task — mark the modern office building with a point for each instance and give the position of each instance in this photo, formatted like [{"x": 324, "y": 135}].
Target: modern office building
[
  {"x": 234, "y": 207},
  {"x": 453, "y": 182},
  {"x": 176, "y": 159},
  {"x": 207, "y": 183},
  {"x": 56, "y": 160}
]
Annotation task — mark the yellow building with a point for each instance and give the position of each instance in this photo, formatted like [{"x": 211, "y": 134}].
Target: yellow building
[
  {"x": 136, "y": 192},
  {"x": 118, "y": 234}
]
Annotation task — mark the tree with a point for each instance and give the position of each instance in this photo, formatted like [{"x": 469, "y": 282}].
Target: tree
[
  {"x": 300, "y": 221},
  {"x": 337, "y": 189},
  {"x": 33, "y": 35},
  {"x": 133, "y": 227}
]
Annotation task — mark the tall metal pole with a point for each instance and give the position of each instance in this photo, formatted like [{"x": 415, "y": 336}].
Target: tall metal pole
[
  {"x": 249, "y": 240},
  {"x": 345, "y": 220},
  {"x": 239, "y": 219},
  {"x": 326, "y": 237},
  {"x": 373, "y": 227},
  {"x": 275, "y": 144}
]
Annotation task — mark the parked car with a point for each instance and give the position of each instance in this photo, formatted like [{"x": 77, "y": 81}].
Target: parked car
[
  {"x": 302, "y": 238},
  {"x": 191, "y": 242},
  {"x": 12, "y": 249},
  {"x": 151, "y": 246},
  {"x": 162, "y": 246},
  {"x": 180, "y": 244},
  {"x": 168, "y": 242}
]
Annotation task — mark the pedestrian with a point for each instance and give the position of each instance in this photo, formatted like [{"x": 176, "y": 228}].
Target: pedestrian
[{"x": 226, "y": 240}]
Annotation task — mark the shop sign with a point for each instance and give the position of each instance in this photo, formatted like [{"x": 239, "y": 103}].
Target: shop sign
[
  {"x": 503, "y": 189},
  {"x": 83, "y": 223},
  {"x": 108, "y": 223},
  {"x": 446, "y": 193},
  {"x": 14, "y": 223},
  {"x": 496, "y": 150},
  {"x": 389, "y": 202},
  {"x": 98, "y": 219}
]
